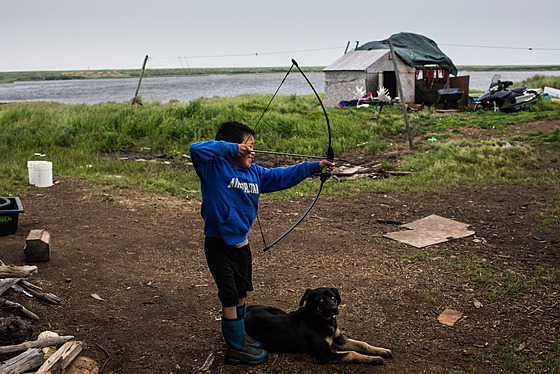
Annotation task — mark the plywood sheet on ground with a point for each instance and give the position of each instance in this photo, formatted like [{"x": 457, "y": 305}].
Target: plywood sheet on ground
[{"x": 430, "y": 230}]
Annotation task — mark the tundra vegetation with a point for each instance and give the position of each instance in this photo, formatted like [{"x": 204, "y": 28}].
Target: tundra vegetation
[
  {"x": 86, "y": 141},
  {"x": 470, "y": 149}
]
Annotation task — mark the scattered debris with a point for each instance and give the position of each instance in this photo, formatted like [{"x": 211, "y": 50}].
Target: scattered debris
[
  {"x": 449, "y": 317},
  {"x": 97, "y": 297},
  {"x": 389, "y": 222},
  {"x": 35, "y": 291},
  {"x": 448, "y": 110},
  {"x": 10, "y": 276},
  {"x": 16, "y": 331},
  {"x": 551, "y": 93},
  {"x": 414, "y": 107},
  {"x": 208, "y": 363},
  {"x": 430, "y": 230}
]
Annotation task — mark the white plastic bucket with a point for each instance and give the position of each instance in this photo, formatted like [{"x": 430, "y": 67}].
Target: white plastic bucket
[
  {"x": 31, "y": 172},
  {"x": 42, "y": 173}
]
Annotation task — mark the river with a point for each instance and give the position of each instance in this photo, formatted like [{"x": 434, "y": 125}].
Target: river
[{"x": 92, "y": 91}]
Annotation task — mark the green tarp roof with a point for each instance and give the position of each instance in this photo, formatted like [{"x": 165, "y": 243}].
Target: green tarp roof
[{"x": 416, "y": 50}]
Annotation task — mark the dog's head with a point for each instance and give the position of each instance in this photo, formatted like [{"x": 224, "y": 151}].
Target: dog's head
[{"x": 322, "y": 301}]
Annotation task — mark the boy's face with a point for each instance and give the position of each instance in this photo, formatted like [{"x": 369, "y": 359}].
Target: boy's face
[{"x": 246, "y": 160}]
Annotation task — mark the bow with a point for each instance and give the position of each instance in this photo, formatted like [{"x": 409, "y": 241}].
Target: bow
[{"x": 329, "y": 155}]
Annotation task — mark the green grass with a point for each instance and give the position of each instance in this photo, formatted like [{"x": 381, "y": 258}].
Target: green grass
[
  {"x": 75, "y": 136},
  {"x": 494, "y": 283},
  {"x": 519, "y": 360},
  {"x": 508, "y": 67},
  {"x": 542, "y": 81},
  {"x": 491, "y": 282}
]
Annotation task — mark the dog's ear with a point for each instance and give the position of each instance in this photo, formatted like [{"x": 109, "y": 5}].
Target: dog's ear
[
  {"x": 305, "y": 297},
  {"x": 337, "y": 295}
]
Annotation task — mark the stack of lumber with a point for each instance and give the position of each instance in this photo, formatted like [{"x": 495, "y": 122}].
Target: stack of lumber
[{"x": 49, "y": 353}]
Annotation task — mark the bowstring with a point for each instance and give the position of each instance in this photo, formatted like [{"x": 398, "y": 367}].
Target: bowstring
[
  {"x": 273, "y": 96},
  {"x": 254, "y": 127}
]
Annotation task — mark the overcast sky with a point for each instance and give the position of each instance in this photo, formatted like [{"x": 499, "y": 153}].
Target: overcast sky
[{"x": 117, "y": 34}]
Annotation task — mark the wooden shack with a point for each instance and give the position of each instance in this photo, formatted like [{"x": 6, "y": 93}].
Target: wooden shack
[{"x": 422, "y": 67}]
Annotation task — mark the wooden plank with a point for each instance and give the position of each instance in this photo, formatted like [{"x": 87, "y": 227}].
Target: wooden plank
[
  {"x": 61, "y": 358},
  {"x": 80, "y": 365},
  {"x": 461, "y": 82}
]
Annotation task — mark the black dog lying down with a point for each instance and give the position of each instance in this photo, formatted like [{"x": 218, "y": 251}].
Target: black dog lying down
[{"x": 311, "y": 329}]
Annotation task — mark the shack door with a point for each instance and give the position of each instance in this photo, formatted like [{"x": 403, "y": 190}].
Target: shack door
[{"x": 390, "y": 83}]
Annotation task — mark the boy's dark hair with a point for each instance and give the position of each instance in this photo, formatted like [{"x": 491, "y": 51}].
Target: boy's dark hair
[{"x": 233, "y": 132}]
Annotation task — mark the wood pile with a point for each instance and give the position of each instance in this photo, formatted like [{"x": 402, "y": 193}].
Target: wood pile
[
  {"x": 49, "y": 353},
  {"x": 370, "y": 170}
]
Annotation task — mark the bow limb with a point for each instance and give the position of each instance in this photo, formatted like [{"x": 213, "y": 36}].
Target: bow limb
[
  {"x": 329, "y": 155},
  {"x": 294, "y": 63}
]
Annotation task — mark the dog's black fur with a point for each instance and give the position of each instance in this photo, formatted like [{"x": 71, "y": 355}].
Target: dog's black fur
[{"x": 311, "y": 329}]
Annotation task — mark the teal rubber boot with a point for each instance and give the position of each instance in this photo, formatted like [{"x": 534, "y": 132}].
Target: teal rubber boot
[
  {"x": 241, "y": 313},
  {"x": 239, "y": 351}
]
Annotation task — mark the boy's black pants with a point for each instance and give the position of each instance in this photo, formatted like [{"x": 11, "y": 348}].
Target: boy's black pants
[{"x": 231, "y": 268}]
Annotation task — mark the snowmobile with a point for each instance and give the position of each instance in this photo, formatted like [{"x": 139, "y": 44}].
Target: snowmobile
[{"x": 500, "y": 97}]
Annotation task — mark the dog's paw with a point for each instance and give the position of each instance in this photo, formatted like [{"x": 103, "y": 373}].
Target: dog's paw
[{"x": 385, "y": 353}]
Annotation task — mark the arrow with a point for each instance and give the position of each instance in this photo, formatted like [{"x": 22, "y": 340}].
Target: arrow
[{"x": 295, "y": 155}]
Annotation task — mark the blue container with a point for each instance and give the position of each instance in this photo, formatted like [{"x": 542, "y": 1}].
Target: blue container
[{"x": 10, "y": 208}]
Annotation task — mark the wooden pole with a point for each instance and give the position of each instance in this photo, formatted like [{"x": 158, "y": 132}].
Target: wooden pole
[
  {"x": 401, "y": 95},
  {"x": 140, "y": 80}
]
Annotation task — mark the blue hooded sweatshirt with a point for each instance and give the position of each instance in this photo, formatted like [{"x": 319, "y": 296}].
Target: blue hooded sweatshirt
[{"x": 230, "y": 194}]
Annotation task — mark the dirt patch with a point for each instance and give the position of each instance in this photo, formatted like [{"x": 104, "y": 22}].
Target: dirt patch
[{"x": 143, "y": 256}]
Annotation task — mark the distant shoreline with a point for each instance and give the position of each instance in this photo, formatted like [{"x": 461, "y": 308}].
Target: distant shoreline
[{"x": 25, "y": 76}]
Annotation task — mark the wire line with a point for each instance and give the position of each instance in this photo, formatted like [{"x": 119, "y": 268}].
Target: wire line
[{"x": 501, "y": 47}]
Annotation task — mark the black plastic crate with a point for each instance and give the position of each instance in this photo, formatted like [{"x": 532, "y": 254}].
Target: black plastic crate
[{"x": 10, "y": 208}]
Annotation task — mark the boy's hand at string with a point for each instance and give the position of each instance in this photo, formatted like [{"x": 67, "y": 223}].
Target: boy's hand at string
[{"x": 245, "y": 149}]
